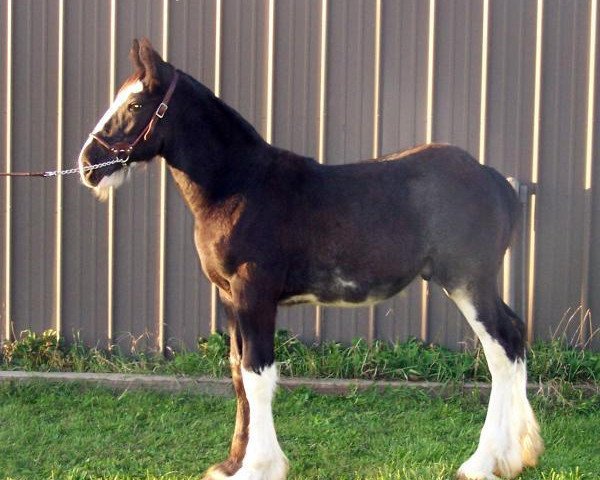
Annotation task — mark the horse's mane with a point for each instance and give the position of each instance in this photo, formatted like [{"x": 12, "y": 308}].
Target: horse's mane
[{"x": 228, "y": 115}]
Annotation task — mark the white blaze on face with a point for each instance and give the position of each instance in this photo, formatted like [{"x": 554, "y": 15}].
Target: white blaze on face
[
  {"x": 119, "y": 101},
  {"x": 117, "y": 178}
]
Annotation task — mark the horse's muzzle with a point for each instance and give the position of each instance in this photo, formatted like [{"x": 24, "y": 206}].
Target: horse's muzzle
[{"x": 92, "y": 177}]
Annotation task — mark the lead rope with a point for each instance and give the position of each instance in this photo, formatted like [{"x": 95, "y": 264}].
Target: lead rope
[{"x": 68, "y": 171}]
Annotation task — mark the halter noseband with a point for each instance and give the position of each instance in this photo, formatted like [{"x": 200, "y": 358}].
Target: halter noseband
[{"x": 124, "y": 148}]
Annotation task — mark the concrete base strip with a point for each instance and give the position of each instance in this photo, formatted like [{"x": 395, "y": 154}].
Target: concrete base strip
[{"x": 222, "y": 386}]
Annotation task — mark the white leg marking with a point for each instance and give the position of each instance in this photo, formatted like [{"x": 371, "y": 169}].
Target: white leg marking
[
  {"x": 510, "y": 437},
  {"x": 264, "y": 459}
]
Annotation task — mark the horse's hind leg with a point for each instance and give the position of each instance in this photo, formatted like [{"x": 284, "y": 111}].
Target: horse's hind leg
[{"x": 510, "y": 437}]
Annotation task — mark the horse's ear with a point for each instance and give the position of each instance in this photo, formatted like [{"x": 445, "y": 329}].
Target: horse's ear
[
  {"x": 151, "y": 62},
  {"x": 134, "y": 56}
]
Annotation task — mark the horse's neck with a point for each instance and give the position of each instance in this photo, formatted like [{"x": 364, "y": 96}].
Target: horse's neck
[
  {"x": 214, "y": 153},
  {"x": 192, "y": 193}
]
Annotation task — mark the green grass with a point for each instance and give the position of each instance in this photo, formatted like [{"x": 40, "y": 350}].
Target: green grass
[
  {"x": 412, "y": 360},
  {"x": 75, "y": 433}
]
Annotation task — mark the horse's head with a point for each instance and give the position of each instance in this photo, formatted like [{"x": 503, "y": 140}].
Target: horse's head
[{"x": 130, "y": 130}]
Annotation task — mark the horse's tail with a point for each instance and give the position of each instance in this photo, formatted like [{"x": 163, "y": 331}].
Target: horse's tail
[{"x": 510, "y": 199}]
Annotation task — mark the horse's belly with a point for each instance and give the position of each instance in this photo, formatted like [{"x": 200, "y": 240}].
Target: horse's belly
[
  {"x": 337, "y": 291},
  {"x": 330, "y": 302}
]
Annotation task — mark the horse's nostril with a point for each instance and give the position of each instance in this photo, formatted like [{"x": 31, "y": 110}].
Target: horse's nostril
[{"x": 84, "y": 167}]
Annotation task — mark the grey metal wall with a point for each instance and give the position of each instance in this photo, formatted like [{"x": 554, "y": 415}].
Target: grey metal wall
[{"x": 514, "y": 82}]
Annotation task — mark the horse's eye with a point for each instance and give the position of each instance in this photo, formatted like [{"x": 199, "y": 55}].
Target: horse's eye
[{"x": 134, "y": 107}]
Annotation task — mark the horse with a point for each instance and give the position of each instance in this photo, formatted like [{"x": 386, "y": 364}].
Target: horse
[{"x": 276, "y": 228}]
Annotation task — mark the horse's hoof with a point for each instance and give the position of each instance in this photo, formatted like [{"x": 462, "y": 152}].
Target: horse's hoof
[
  {"x": 489, "y": 468},
  {"x": 215, "y": 475},
  {"x": 463, "y": 476},
  {"x": 222, "y": 471},
  {"x": 478, "y": 467},
  {"x": 229, "y": 470}
]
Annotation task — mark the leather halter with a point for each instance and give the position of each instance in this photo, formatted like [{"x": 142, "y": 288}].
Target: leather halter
[{"x": 124, "y": 148}]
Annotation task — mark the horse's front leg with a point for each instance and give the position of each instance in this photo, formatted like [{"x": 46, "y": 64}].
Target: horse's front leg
[
  {"x": 255, "y": 451},
  {"x": 240, "y": 434}
]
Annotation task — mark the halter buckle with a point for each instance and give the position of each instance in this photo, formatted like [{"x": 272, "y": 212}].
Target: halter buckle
[
  {"x": 120, "y": 148},
  {"x": 161, "y": 110}
]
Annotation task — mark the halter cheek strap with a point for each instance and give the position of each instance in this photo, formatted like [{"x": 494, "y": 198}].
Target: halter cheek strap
[{"x": 124, "y": 148}]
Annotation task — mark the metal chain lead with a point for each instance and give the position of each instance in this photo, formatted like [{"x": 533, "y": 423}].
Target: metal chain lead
[{"x": 54, "y": 173}]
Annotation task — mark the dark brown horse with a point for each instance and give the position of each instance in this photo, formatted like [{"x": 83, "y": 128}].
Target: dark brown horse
[{"x": 275, "y": 228}]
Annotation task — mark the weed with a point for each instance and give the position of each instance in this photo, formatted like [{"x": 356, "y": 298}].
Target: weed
[
  {"x": 35, "y": 352},
  {"x": 553, "y": 361}
]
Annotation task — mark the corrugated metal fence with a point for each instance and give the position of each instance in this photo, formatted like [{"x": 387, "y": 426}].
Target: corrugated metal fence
[{"x": 514, "y": 82}]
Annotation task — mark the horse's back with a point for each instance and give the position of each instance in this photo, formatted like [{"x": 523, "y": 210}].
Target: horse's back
[{"x": 431, "y": 197}]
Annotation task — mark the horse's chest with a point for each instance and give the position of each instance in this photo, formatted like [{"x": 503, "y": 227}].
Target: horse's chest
[{"x": 213, "y": 260}]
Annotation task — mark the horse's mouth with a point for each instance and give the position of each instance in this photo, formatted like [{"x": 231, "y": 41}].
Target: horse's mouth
[
  {"x": 102, "y": 179},
  {"x": 91, "y": 175}
]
